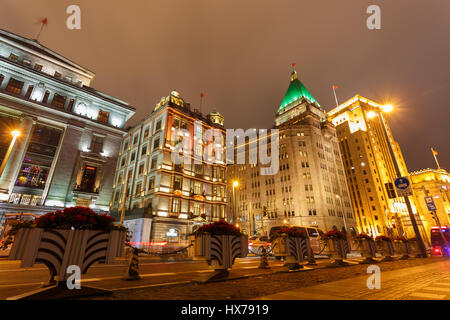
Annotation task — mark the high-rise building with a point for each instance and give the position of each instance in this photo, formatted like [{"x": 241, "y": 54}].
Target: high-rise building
[
  {"x": 309, "y": 189},
  {"x": 373, "y": 160},
  {"x": 434, "y": 184},
  {"x": 59, "y": 137},
  {"x": 160, "y": 199}
]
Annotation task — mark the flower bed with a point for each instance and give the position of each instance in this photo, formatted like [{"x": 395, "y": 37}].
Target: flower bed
[
  {"x": 75, "y": 236},
  {"x": 385, "y": 245},
  {"x": 338, "y": 247},
  {"x": 292, "y": 243},
  {"x": 367, "y": 247},
  {"x": 219, "y": 243}
]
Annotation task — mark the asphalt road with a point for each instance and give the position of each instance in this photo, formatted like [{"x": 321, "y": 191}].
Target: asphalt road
[{"x": 15, "y": 280}]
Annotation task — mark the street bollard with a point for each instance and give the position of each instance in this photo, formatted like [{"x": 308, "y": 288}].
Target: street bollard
[
  {"x": 264, "y": 264},
  {"x": 133, "y": 266}
]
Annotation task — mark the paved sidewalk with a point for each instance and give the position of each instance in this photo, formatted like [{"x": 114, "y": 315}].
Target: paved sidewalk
[{"x": 426, "y": 282}]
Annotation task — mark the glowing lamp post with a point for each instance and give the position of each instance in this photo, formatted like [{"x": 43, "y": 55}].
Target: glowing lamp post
[
  {"x": 235, "y": 184},
  {"x": 15, "y": 134}
]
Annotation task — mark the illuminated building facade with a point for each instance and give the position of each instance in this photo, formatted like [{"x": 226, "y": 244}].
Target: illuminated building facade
[
  {"x": 59, "y": 137},
  {"x": 309, "y": 189},
  {"x": 370, "y": 156},
  {"x": 164, "y": 199},
  {"x": 433, "y": 183}
]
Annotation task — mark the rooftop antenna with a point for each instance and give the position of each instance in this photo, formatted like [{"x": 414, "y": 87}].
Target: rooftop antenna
[
  {"x": 43, "y": 23},
  {"x": 201, "y": 100}
]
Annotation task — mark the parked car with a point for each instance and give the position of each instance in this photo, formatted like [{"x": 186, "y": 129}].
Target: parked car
[{"x": 255, "y": 244}]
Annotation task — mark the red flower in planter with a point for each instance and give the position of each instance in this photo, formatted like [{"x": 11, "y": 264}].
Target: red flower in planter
[
  {"x": 294, "y": 232},
  {"x": 334, "y": 234},
  {"x": 400, "y": 239},
  {"x": 220, "y": 227},
  {"x": 75, "y": 217},
  {"x": 383, "y": 238},
  {"x": 363, "y": 236}
]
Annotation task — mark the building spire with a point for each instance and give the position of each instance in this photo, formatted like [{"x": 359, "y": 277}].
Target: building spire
[{"x": 296, "y": 91}]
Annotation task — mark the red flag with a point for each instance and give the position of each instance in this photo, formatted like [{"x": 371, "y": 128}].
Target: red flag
[
  {"x": 202, "y": 95},
  {"x": 335, "y": 87},
  {"x": 44, "y": 21},
  {"x": 294, "y": 64}
]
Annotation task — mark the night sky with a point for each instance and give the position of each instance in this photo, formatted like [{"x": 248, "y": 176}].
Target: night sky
[{"x": 239, "y": 53}]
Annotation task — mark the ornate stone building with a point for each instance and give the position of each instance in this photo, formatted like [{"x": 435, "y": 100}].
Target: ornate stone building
[
  {"x": 159, "y": 199},
  {"x": 59, "y": 137},
  {"x": 309, "y": 189}
]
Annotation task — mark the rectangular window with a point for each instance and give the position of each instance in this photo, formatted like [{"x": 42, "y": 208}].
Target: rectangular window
[
  {"x": 151, "y": 183},
  {"x": 197, "y": 187},
  {"x": 138, "y": 190},
  {"x": 141, "y": 169},
  {"x": 158, "y": 126},
  {"x": 154, "y": 162},
  {"x": 58, "y": 101},
  {"x": 38, "y": 67},
  {"x": 103, "y": 116},
  {"x": 175, "y": 205},
  {"x": 13, "y": 57},
  {"x": 96, "y": 144},
  {"x": 14, "y": 86},
  {"x": 177, "y": 183},
  {"x": 144, "y": 150},
  {"x": 156, "y": 144}
]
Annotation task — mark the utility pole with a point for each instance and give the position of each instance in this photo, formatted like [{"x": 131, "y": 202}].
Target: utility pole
[{"x": 420, "y": 243}]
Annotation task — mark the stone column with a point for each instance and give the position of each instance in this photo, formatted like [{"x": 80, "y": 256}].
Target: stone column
[{"x": 15, "y": 158}]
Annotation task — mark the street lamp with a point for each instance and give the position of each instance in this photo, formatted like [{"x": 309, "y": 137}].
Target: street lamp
[
  {"x": 388, "y": 108},
  {"x": 15, "y": 134},
  {"x": 235, "y": 184}
]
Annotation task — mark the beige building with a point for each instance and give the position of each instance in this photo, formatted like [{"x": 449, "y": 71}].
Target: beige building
[
  {"x": 162, "y": 200},
  {"x": 309, "y": 189},
  {"x": 433, "y": 183},
  {"x": 372, "y": 158}
]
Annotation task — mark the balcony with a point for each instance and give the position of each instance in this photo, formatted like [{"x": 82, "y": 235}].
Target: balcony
[{"x": 86, "y": 189}]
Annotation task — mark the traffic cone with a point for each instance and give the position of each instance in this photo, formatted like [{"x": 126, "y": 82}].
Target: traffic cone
[
  {"x": 264, "y": 264},
  {"x": 133, "y": 266}
]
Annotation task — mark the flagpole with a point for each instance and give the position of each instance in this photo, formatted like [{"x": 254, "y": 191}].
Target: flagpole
[
  {"x": 435, "y": 158},
  {"x": 43, "y": 23},
  {"x": 335, "y": 97}
]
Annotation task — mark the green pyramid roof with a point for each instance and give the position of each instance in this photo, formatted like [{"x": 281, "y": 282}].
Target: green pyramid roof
[{"x": 296, "y": 91}]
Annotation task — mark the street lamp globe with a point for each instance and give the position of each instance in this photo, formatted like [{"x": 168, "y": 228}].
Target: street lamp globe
[
  {"x": 235, "y": 183},
  {"x": 388, "y": 108},
  {"x": 15, "y": 133}
]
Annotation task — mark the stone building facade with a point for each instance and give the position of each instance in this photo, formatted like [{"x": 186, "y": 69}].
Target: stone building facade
[
  {"x": 59, "y": 137},
  {"x": 309, "y": 189}
]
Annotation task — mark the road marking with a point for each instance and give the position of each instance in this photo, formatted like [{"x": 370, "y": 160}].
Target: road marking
[
  {"x": 91, "y": 279},
  {"x": 249, "y": 267},
  {"x": 437, "y": 289},
  {"x": 428, "y": 295},
  {"x": 441, "y": 284},
  {"x": 157, "y": 274},
  {"x": 204, "y": 271},
  {"x": 21, "y": 284},
  {"x": 151, "y": 285}
]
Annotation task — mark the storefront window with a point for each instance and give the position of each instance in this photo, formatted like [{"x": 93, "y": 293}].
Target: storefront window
[{"x": 39, "y": 157}]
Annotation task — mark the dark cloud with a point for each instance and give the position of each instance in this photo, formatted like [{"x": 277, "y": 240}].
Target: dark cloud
[{"x": 239, "y": 53}]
